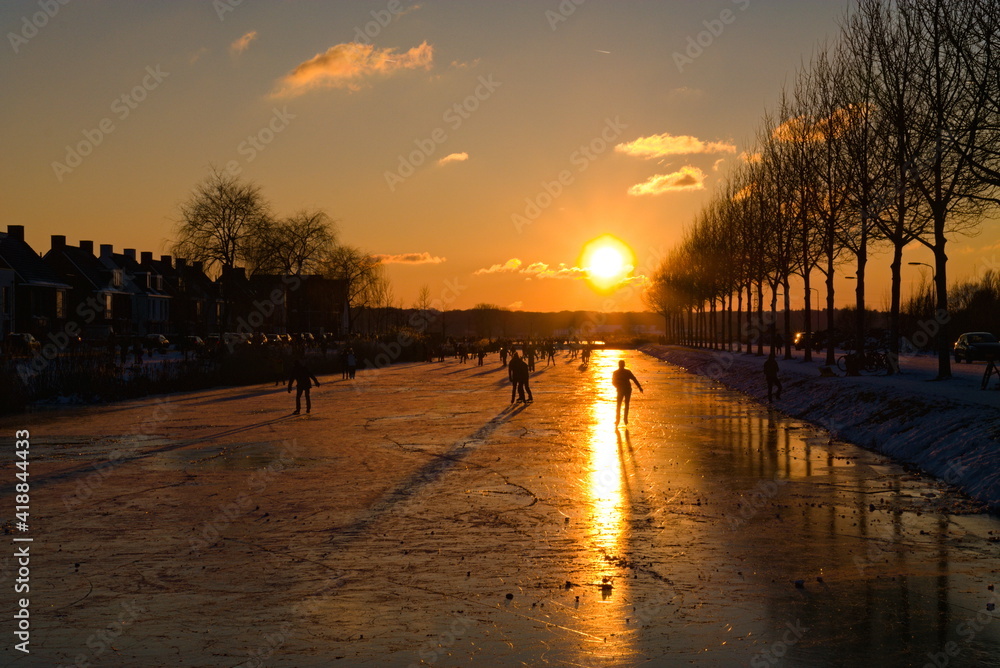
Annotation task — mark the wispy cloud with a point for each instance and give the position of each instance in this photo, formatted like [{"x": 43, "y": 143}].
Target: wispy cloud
[
  {"x": 543, "y": 270},
  {"x": 658, "y": 146},
  {"x": 410, "y": 258},
  {"x": 516, "y": 306},
  {"x": 510, "y": 266},
  {"x": 534, "y": 270},
  {"x": 351, "y": 65},
  {"x": 686, "y": 178},
  {"x": 454, "y": 157},
  {"x": 243, "y": 43}
]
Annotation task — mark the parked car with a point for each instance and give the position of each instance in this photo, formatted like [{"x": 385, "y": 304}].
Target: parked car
[
  {"x": 22, "y": 343},
  {"x": 157, "y": 342},
  {"x": 192, "y": 343},
  {"x": 799, "y": 339},
  {"x": 973, "y": 346}
]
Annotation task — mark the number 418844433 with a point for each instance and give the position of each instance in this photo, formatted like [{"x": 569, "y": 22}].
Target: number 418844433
[{"x": 22, "y": 446}]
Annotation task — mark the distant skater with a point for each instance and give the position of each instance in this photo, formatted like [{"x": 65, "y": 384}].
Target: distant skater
[
  {"x": 302, "y": 378},
  {"x": 622, "y": 379},
  {"x": 343, "y": 364},
  {"x": 517, "y": 371},
  {"x": 771, "y": 375},
  {"x": 352, "y": 363}
]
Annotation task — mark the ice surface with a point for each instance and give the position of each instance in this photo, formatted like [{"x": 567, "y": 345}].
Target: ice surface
[{"x": 417, "y": 518}]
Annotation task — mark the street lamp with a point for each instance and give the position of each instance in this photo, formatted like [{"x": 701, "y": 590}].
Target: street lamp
[{"x": 933, "y": 277}]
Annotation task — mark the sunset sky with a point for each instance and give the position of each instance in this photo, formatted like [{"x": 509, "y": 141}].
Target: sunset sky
[{"x": 477, "y": 146}]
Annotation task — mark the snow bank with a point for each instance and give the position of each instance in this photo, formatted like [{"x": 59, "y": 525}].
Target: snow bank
[{"x": 950, "y": 429}]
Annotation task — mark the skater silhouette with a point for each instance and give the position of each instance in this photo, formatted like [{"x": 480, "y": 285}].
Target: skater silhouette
[
  {"x": 771, "y": 375},
  {"x": 622, "y": 379},
  {"x": 517, "y": 371},
  {"x": 303, "y": 379}
]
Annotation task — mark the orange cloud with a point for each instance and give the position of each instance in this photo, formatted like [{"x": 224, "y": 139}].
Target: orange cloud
[
  {"x": 243, "y": 43},
  {"x": 349, "y": 66},
  {"x": 507, "y": 267},
  {"x": 686, "y": 178},
  {"x": 454, "y": 157},
  {"x": 410, "y": 258},
  {"x": 658, "y": 146}
]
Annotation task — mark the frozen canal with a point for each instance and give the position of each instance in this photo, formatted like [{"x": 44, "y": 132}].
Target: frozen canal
[{"x": 416, "y": 518}]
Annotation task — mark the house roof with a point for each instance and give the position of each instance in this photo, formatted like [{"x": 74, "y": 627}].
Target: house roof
[
  {"x": 29, "y": 268},
  {"x": 83, "y": 268}
]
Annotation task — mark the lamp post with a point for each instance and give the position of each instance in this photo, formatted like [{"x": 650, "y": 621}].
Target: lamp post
[
  {"x": 938, "y": 341},
  {"x": 933, "y": 278}
]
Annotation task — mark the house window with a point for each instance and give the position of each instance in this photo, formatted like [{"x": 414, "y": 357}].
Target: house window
[
  {"x": 60, "y": 304},
  {"x": 107, "y": 307},
  {"x": 117, "y": 280}
]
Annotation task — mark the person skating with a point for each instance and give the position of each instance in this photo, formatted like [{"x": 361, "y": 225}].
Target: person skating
[
  {"x": 302, "y": 378},
  {"x": 771, "y": 375},
  {"x": 622, "y": 379},
  {"x": 517, "y": 371}
]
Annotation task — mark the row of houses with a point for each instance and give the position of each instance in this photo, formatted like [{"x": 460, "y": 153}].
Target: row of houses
[{"x": 102, "y": 293}]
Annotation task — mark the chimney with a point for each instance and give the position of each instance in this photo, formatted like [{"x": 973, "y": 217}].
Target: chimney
[
  {"x": 130, "y": 253},
  {"x": 107, "y": 250},
  {"x": 167, "y": 260},
  {"x": 145, "y": 256},
  {"x": 181, "y": 263},
  {"x": 58, "y": 241},
  {"x": 87, "y": 247},
  {"x": 16, "y": 232}
]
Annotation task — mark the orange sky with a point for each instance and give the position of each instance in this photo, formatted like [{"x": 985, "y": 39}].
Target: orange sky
[{"x": 450, "y": 137}]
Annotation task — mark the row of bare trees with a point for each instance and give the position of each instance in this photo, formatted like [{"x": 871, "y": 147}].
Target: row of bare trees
[
  {"x": 887, "y": 137},
  {"x": 227, "y": 223}
]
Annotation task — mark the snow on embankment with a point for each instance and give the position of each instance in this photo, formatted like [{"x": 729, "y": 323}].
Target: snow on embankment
[{"x": 950, "y": 429}]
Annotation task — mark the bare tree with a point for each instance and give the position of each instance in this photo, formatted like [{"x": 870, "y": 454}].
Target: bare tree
[
  {"x": 293, "y": 246},
  {"x": 362, "y": 273},
  {"x": 218, "y": 220},
  {"x": 953, "y": 108}
]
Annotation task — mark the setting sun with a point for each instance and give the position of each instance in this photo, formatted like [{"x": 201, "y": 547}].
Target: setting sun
[{"x": 607, "y": 260}]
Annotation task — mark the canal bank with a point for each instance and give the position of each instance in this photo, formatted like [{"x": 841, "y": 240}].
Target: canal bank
[{"x": 950, "y": 429}]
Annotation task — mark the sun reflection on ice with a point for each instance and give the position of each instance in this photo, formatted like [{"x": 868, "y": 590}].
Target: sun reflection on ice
[
  {"x": 606, "y": 485},
  {"x": 608, "y": 604}
]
